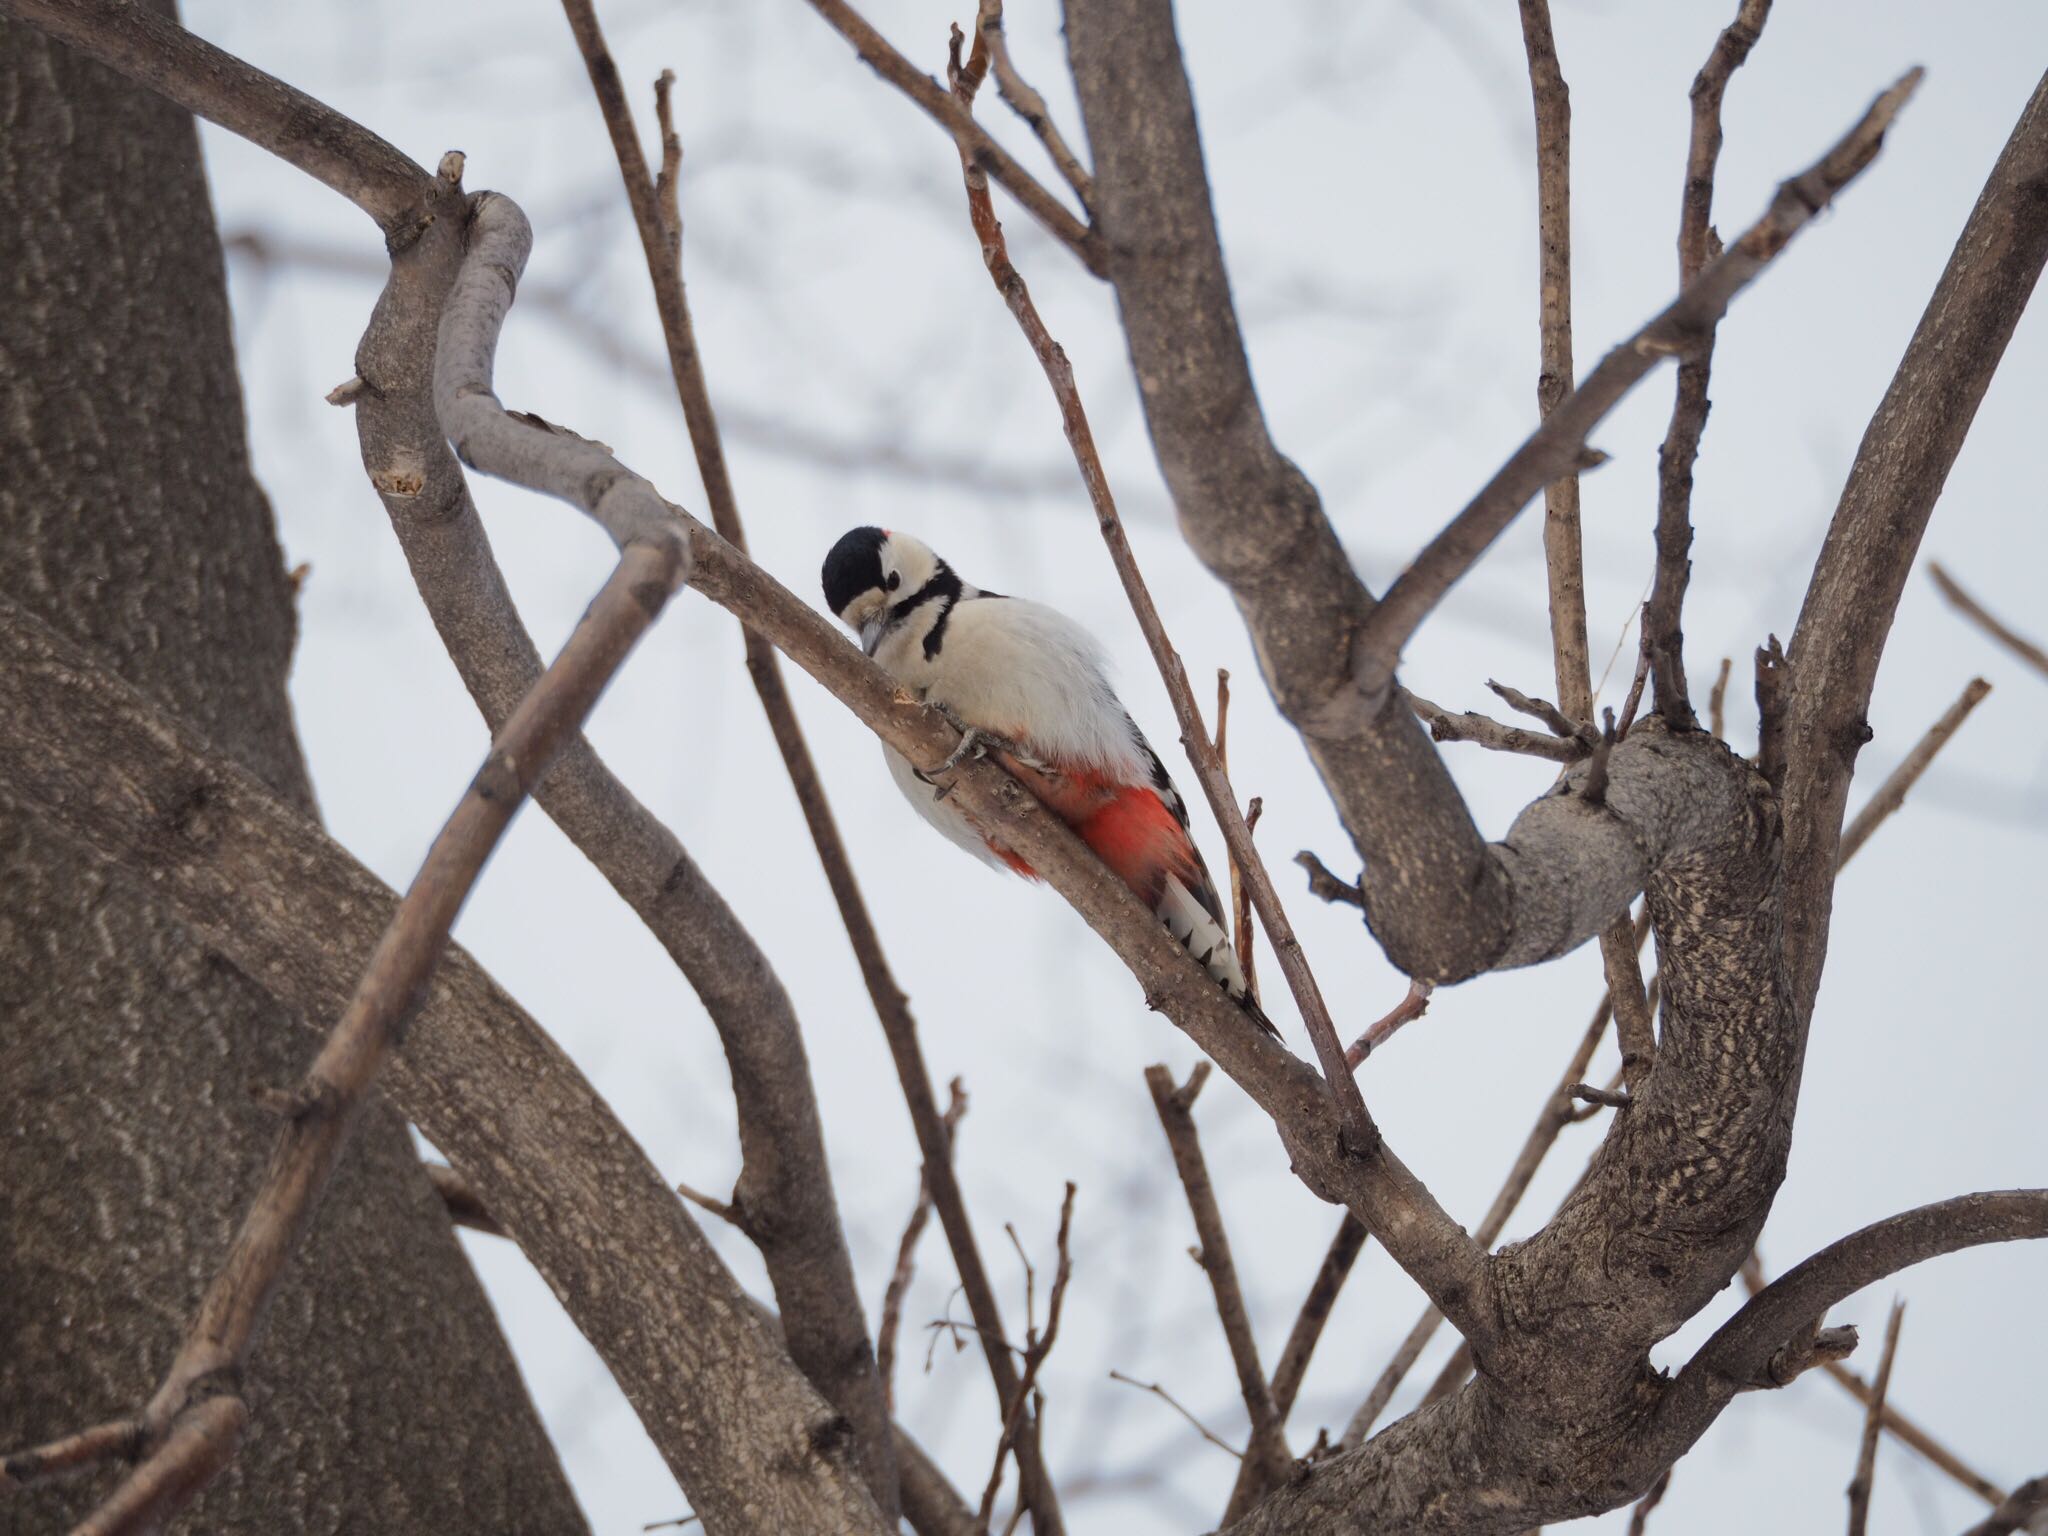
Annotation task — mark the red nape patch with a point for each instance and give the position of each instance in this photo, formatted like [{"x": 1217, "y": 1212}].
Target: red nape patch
[{"x": 1138, "y": 837}]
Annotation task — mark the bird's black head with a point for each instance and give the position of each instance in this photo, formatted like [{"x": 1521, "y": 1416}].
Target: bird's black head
[{"x": 854, "y": 567}]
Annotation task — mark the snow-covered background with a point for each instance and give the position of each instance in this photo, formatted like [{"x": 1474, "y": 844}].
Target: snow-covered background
[{"x": 1373, "y": 172}]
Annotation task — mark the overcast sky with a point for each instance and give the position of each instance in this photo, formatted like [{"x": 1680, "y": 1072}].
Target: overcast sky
[{"x": 1373, "y": 172}]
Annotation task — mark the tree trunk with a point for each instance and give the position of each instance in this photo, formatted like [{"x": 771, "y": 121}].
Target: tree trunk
[{"x": 385, "y": 1398}]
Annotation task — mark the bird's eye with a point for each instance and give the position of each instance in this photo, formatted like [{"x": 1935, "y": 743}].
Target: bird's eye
[{"x": 895, "y": 580}]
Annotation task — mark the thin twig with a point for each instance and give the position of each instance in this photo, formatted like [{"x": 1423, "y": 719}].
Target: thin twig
[
  {"x": 1634, "y": 1027},
  {"x": 1268, "y": 1454},
  {"x": 1663, "y": 639},
  {"x": 724, "y": 1210},
  {"x": 1634, "y": 700},
  {"x": 1717, "y": 701},
  {"x": 1411, "y": 1007},
  {"x": 1325, "y": 886},
  {"x": 973, "y": 142},
  {"x": 1240, "y": 892},
  {"x": 1037, "y": 1347},
  {"x": 1891, "y": 794},
  {"x": 1976, "y": 613},
  {"x": 906, "y": 1256},
  {"x": 1361, "y": 1135},
  {"x": 465, "y": 1207},
  {"x": 1561, "y": 724},
  {"x": 120, "y": 1440},
  {"x": 1174, "y": 1403},
  {"x": 1484, "y": 731},
  {"x": 1343, "y": 1253},
  {"x": 668, "y": 182},
  {"x": 1903, "y": 1429},
  {"x": 1562, "y": 552},
  {"x": 1559, "y": 444},
  {"x": 1873, "y": 1424},
  {"x": 1639, "y": 1517},
  {"x": 1029, "y": 105},
  {"x": 1606, "y": 1098}
]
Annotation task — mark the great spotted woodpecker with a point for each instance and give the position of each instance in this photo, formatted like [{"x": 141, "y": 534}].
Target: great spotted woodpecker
[{"x": 1030, "y": 685}]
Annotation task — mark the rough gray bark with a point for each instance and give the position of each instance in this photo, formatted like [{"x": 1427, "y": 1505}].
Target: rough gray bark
[
  {"x": 129, "y": 520},
  {"x": 753, "y": 1444}
]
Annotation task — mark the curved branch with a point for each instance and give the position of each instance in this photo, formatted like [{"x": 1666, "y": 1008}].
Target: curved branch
[
  {"x": 155, "y": 51},
  {"x": 1899, "y": 470},
  {"x": 1738, "y": 1355}
]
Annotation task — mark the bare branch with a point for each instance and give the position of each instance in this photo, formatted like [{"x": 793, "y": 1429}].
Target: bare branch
[
  {"x": 1242, "y": 938},
  {"x": 1717, "y": 701},
  {"x": 1976, "y": 613},
  {"x": 1345, "y": 1248},
  {"x": 1873, "y": 1425},
  {"x": 1639, "y": 1517},
  {"x": 1172, "y": 1402},
  {"x": 973, "y": 142},
  {"x": 1037, "y": 1347},
  {"x": 1875, "y": 536},
  {"x": 120, "y": 1440},
  {"x": 828, "y": 1335},
  {"x": 155, "y": 51},
  {"x": 1557, "y": 446},
  {"x": 1561, "y": 540},
  {"x": 1905, "y": 1430},
  {"x": 465, "y": 1206},
  {"x": 1358, "y": 1124},
  {"x": 1738, "y": 1353},
  {"x": 1634, "y": 1027},
  {"x": 1891, "y": 794},
  {"x": 1268, "y": 1455},
  {"x": 1413, "y": 1005},
  {"x": 2016, "y": 1511},
  {"x": 1484, "y": 731},
  {"x": 1028, "y": 104},
  {"x": 1325, "y": 886},
  {"x": 906, "y": 1256},
  {"x": 1663, "y": 640}
]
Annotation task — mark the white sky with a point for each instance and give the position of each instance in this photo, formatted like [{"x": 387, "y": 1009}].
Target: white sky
[{"x": 1373, "y": 173}]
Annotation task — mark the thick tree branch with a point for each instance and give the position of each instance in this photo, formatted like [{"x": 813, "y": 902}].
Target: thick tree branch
[
  {"x": 1663, "y": 639},
  {"x": 251, "y": 877},
  {"x": 197, "y": 1415},
  {"x": 1557, "y": 446},
  {"x": 156, "y": 52},
  {"x": 1891, "y": 491}
]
